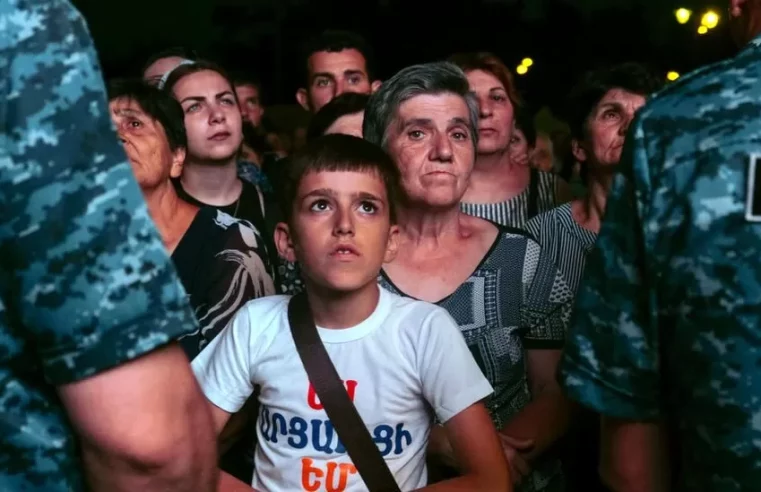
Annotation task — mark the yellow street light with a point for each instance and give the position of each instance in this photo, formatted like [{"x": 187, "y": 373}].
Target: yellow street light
[
  {"x": 522, "y": 69},
  {"x": 527, "y": 62},
  {"x": 710, "y": 19},
  {"x": 702, "y": 30},
  {"x": 672, "y": 76},
  {"x": 683, "y": 15}
]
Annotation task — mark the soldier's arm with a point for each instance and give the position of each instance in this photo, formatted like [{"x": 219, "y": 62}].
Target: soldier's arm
[
  {"x": 91, "y": 284},
  {"x": 633, "y": 456},
  {"x": 140, "y": 424}
]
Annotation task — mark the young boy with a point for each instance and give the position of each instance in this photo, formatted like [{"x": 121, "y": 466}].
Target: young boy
[{"x": 398, "y": 358}]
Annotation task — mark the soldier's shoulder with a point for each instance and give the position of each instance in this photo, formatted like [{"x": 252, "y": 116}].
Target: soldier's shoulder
[
  {"x": 724, "y": 83},
  {"x": 24, "y": 21}
]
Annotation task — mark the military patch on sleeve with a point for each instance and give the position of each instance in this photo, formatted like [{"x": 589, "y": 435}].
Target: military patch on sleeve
[{"x": 753, "y": 194}]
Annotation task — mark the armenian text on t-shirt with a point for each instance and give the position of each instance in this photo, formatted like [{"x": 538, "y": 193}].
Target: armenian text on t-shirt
[{"x": 319, "y": 435}]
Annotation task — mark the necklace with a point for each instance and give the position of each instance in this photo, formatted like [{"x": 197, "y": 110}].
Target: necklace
[{"x": 237, "y": 205}]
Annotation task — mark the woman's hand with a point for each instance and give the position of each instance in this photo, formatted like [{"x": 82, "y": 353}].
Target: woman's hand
[{"x": 519, "y": 466}]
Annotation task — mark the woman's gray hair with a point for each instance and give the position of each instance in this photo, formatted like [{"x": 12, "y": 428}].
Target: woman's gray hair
[{"x": 417, "y": 80}]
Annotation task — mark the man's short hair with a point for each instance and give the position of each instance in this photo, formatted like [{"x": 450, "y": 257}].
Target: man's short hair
[
  {"x": 342, "y": 105},
  {"x": 417, "y": 80},
  {"x": 159, "y": 105},
  {"x": 334, "y": 41},
  {"x": 338, "y": 152},
  {"x": 594, "y": 84},
  {"x": 240, "y": 78}
]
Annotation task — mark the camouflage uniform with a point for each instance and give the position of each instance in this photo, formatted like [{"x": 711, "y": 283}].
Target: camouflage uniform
[
  {"x": 85, "y": 281},
  {"x": 667, "y": 322}
]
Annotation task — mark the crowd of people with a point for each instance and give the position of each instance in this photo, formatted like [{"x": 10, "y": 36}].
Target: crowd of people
[{"x": 505, "y": 309}]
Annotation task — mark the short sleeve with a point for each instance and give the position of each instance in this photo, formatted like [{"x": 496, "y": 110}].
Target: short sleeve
[
  {"x": 223, "y": 369},
  {"x": 610, "y": 362},
  {"x": 547, "y": 305},
  {"x": 86, "y": 277},
  {"x": 451, "y": 379}
]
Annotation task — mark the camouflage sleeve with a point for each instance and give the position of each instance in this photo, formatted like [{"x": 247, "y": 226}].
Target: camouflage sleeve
[
  {"x": 91, "y": 283},
  {"x": 547, "y": 305},
  {"x": 610, "y": 362}
]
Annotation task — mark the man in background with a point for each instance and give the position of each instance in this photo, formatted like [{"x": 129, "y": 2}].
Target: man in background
[{"x": 335, "y": 62}]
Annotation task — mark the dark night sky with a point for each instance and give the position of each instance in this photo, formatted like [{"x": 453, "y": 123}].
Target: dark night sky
[{"x": 564, "y": 37}]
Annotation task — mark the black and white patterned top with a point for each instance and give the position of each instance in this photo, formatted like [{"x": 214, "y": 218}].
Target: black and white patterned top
[
  {"x": 565, "y": 241},
  {"x": 514, "y": 301},
  {"x": 516, "y": 211},
  {"x": 222, "y": 264}
]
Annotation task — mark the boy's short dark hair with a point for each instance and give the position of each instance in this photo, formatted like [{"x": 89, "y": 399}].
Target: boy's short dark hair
[
  {"x": 345, "y": 104},
  {"x": 593, "y": 85},
  {"x": 159, "y": 105},
  {"x": 338, "y": 152},
  {"x": 240, "y": 78},
  {"x": 334, "y": 41}
]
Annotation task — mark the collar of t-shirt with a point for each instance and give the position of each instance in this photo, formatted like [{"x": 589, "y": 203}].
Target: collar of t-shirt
[{"x": 342, "y": 335}]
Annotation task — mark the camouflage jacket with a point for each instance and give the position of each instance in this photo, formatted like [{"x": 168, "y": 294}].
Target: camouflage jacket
[
  {"x": 667, "y": 323},
  {"x": 85, "y": 282}
]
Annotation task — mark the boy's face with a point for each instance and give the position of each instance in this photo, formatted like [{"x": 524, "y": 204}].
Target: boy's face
[{"x": 340, "y": 230}]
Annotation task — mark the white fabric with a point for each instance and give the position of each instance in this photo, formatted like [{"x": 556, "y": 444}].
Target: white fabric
[{"x": 405, "y": 354}]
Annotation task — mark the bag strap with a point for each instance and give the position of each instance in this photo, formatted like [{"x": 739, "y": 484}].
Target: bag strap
[{"x": 335, "y": 400}]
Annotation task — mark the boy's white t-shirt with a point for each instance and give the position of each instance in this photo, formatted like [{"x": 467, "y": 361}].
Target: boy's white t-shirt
[{"x": 405, "y": 354}]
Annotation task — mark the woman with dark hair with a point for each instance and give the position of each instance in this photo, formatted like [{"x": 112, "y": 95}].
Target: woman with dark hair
[
  {"x": 600, "y": 108},
  {"x": 213, "y": 124},
  {"x": 506, "y": 192}
]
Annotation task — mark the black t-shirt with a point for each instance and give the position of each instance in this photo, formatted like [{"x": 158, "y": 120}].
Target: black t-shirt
[
  {"x": 248, "y": 207},
  {"x": 222, "y": 264}
]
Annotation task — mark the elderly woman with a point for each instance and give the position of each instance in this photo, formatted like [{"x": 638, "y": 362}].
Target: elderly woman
[
  {"x": 501, "y": 189},
  {"x": 493, "y": 281},
  {"x": 218, "y": 258},
  {"x": 600, "y": 108}
]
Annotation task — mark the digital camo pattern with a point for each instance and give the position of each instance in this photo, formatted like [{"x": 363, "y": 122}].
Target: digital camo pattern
[
  {"x": 86, "y": 283},
  {"x": 669, "y": 313}
]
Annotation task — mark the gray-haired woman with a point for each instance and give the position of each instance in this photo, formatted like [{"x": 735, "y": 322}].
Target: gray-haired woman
[{"x": 491, "y": 279}]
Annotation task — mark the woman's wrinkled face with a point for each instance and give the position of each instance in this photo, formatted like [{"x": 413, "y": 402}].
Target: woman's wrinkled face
[
  {"x": 495, "y": 124},
  {"x": 145, "y": 143},
  {"x": 430, "y": 140},
  {"x": 606, "y": 128}
]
